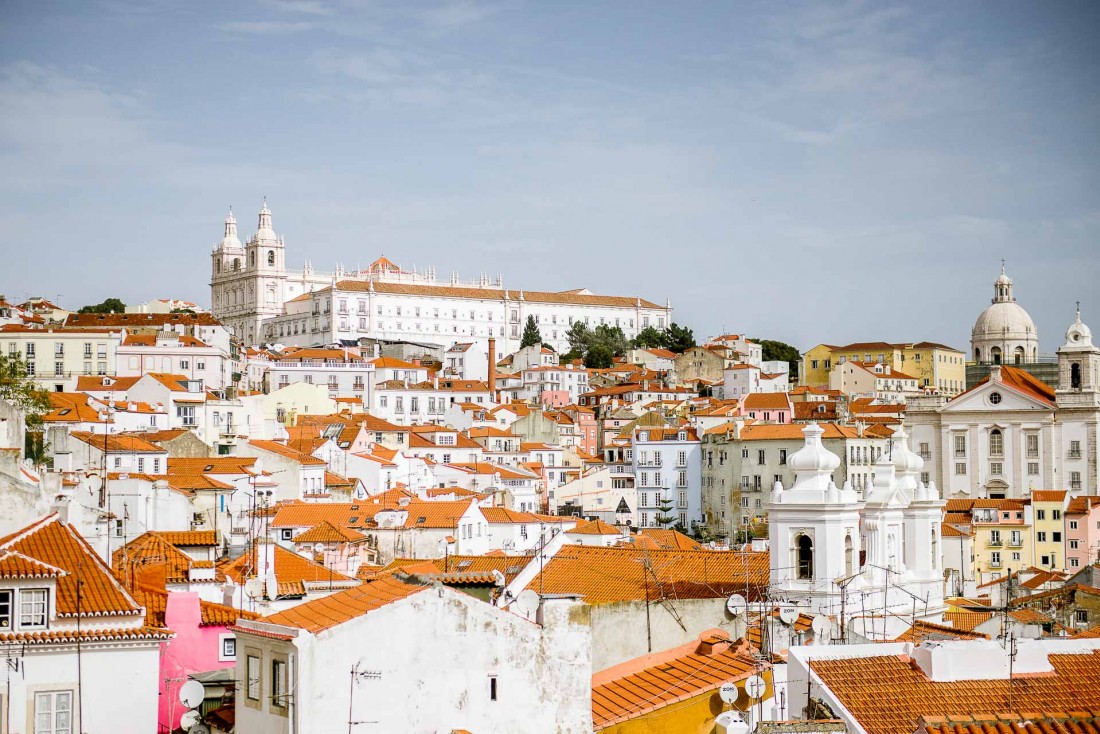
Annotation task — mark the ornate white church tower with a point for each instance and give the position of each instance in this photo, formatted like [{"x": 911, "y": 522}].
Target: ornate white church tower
[
  {"x": 248, "y": 283},
  {"x": 813, "y": 530},
  {"x": 816, "y": 532}
]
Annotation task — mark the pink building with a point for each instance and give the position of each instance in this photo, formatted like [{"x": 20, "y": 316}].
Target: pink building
[
  {"x": 1082, "y": 532},
  {"x": 202, "y": 642},
  {"x": 767, "y": 407}
]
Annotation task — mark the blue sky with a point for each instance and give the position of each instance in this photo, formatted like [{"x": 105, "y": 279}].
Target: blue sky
[{"x": 807, "y": 172}]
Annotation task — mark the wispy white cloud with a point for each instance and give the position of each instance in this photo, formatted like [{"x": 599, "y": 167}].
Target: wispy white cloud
[
  {"x": 266, "y": 27},
  {"x": 456, "y": 14},
  {"x": 305, "y": 7}
]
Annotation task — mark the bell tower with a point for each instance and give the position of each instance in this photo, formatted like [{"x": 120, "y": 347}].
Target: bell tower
[{"x": 1078, "y": 368}]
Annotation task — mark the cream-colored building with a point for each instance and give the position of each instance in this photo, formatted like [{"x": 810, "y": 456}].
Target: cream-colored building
[{"x": 56, "y": 357}]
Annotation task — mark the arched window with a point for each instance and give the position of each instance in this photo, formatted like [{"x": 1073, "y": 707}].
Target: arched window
[
  {"x": 1019, "y": 355},
  {"x": 996, "y": 443},
  {"x": 804, "y": 550},
  {"x": 236, "y": 263},
  {"x": 270, "y": 257},
  {"x": 1075, "y": 375},
  {"x": 977, "y": 355},
  {"x": 252, "y": 259},
  {"x": 218, "y": 266},
  {"x": 995, "y": 354},
  {"x": 848, "y": 555}
]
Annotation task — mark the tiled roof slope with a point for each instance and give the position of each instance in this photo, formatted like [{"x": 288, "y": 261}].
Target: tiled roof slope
[
  {"x": 863, "y": 684},
  {"x": 712, "y": 663},
  {"x": 57, "y": 544},
  {"x": 1076, "y": 722},
  {"x": 329, "y": 611},
  {"x": 610, "y": 575},
  {"x": 290, "y": 568}
]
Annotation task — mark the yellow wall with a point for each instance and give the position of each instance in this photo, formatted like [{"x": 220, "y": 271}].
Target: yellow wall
[
  {"x": 942, "y": 368},
  {"x": 983, "y": 551},
  {"x": 1049, "y": 526},
  {"x": 690, "y": 716}
]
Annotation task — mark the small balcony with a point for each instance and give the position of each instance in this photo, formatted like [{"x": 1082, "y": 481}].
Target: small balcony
[
  {"x": 995, "y": 544},
  {"x": 1015, "y": 542},
  {"x": 994, "y": 564}
]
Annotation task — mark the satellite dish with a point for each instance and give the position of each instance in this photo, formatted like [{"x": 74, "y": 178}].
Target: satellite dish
[
  {"x": 188, "y": 720},
  {"x": 821, "y": 626},
  {"x": 498, "y": 577},
  {"x": 199, "y": 729},
  {"x": 729, "y": 692},
  {"x": 527, "y": 603},
  {"x": 731, "y": 722},
  {"x": 191, "y": 694},
  {"x": 736, "y": 605},
  {"x": 788, "y": 613},
  {"x": 272, "y": 588},
  {"x": 254, "y": 588},
  {"x": 754, "y": 686}
]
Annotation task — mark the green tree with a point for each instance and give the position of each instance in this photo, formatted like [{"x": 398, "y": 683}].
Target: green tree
[
  {"x": 580, "y": 338},
  {"x": 17, "y": 387},
  {"x": 111, "y": 305},
  {"x": 777, "y": 351},
  {"x": 611, "y": 337},
  {"x": 650, "y": 338},
  {"x": 678, "y": 338},
  {"x": 665, "y": 517},
  {"x": 598, "y": 357},
  {"x": 531, "y": 335}
]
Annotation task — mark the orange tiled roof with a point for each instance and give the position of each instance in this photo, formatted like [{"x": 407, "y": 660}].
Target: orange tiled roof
[
  {"x": 117, "y": 443},
  {"x": 1076, "y": 722},
  {"x": 329, "y": 611},
  {"x": 767, "y": 401},
  {"x": 327, "y": 532},
  {"x": 862, "y": 684},
  {"x": 187, "y": 538},
  {"x": 701, "y": 668},
  {"x": 1048, "y": 495},
  {"x": 1022, "y": 382},
  {"x": 57, "y": 544},
  {"x": 595, "y": 527},
  {"x": 290, "y": 568},
  {"x": 495, "y": 294},
  {"x": 967, "y": 620},
  {"x": 670, "y": 539},
  {"x": 609, "y": 575},
  {"x": 287, "y": 452},
  {"x": 151, "y": 555},
  {"x": 436, "y": 514},
  {"x": 78, "y": 320},
  {"x": 923, "y": 630}
]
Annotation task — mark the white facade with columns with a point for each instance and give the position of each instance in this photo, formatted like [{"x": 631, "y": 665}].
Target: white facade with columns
[
  {"x": 817, "y": 531},
  {"x": 254, "y": 293}
]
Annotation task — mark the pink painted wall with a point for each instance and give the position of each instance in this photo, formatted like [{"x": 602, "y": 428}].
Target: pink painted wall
[
  {"x": 554, "y": 398},
  {"x": 194, "y": 649},
  {"x": 1087, "y": 534}
]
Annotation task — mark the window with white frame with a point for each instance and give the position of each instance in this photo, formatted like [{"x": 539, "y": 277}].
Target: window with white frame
[
  {"x": 252, "y": 671},
  {"x": 33, "y": 604},
  {"x": 53, "y": 712}
]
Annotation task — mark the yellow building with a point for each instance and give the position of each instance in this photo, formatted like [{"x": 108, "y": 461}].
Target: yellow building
[
  {"x": 1048, "y": 507},
  {"x": 1002, "y": 539},
  {"x": 934, "y": 365},
  {"x": 635, "y": 697}
]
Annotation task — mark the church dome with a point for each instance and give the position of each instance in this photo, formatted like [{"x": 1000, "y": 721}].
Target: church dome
[
  {"x": 1004, "y": 331},
  {"x": 230, "y": 241}
]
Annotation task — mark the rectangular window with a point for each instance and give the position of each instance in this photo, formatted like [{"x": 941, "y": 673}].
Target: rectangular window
[
  {"x": 1075, "y": 449},
  {"x": 1041, "y": 536},
  {"x": 229, "y": 648},
  {"x": 1033, "y": 468},
  {"x": 760, "y": 456},
  {"x": 1055, "y": 514},
  {"x": 782, "y": 456},
  {"x": 278, "y": 683},
  {"x": 53, "y": 712},
  {"x": 1040, "y": 514},
  {"x": 5, "y": 610},
  {"x": 492, "y": 688},
  {"x": 1081, "y": 616},
  {"x": 252, "y": 671},
  {"x": 960, "y": 468},
  {"x": 33, "y": 604},
  {"x": 996, "y": 468},
  {"x": 1032, "y": 440},
  {"x": 960, "y": 448},
  {"x": 1075, "y": 480},
  {"x": 996, "y": 444}
]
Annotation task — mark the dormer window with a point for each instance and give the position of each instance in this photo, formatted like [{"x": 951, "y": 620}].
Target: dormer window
[{"x": 33, "y": 605}]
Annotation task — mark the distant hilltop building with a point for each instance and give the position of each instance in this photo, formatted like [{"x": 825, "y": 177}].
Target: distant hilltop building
[{"x": 260, "y": 300}]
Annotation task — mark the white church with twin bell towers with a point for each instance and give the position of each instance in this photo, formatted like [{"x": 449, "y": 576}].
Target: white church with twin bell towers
[
  {"x": 874, "y": 563},
  {"x": 262, "y": 301}
]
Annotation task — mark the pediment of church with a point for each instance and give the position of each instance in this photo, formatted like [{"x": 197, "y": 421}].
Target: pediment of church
[{"x": 984, "y": 398}]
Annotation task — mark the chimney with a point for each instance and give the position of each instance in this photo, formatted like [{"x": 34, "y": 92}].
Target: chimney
[
  {"x": 995, "y": 373},
  {"x": 492, "y": 379}
]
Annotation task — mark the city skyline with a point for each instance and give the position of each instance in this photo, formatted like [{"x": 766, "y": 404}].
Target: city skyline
[{"x": 752, "y": 164}]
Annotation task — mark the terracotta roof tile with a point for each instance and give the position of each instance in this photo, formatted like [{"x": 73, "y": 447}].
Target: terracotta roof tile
[
  {"x": 286, "y": 452},
  {"x": 609, "y": 575},
  {"x": 327, "y": 532},
  {"x": 290, "y": 568},
  {"x": 329, "y": 611}
]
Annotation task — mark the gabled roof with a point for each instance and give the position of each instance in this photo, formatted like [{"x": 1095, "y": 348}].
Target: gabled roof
[
  {"x": 58, "y": 545},
  {"x": 290, "y": 568},
  {"x": 595, "y": 527},
  {"x": 287, "y": 453},
  {"x": 327, "y": 532},
  {"x": 116, "y": 443},
  {"x": 1019, "y": 381}
]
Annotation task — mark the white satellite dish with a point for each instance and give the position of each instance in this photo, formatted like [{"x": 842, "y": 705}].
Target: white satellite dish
[
  {"x": 731, "y": 722},
  {"x": 272, "y": 588},
  {"x": 788, "y": 613},
  {"x": 191, "y": 694},
  {"x": 729, "y": 692},
  {"x": 736, "y": 605},
  {"x": 498, "y": 577},
  {"x": 754, "y": 686},
  {"x": 821, "y": 626},
  {"x": 254, "y": 588},
  {"x": 189, "y": 719},
  {"x": 527, "y": 603}
]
